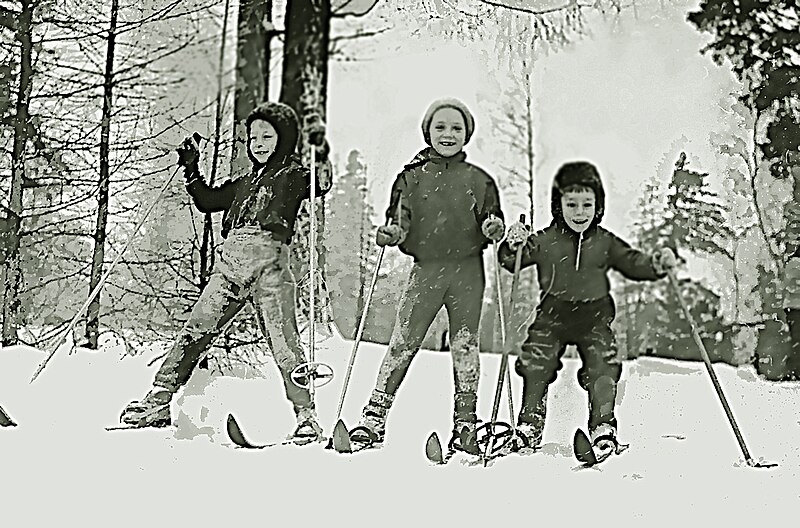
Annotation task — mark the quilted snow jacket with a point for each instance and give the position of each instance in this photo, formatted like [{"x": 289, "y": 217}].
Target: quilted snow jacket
[
  {"x": 575, "y": 268},
  {"x": 269, "y": 197},
  {"x": 444, "y": 203}
]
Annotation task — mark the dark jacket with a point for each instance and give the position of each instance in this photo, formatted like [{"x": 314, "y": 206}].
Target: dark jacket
[
  {"x": 444, "y": 203},
  {"x": 269, "y": 197},
  {"x": 562, "y": 274}
]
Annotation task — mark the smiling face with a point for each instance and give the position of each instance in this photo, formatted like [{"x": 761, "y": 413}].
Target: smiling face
[
  {"x": 262, "y": 140},
  {"x": 579, "y": 207},
  {"x": 448, "y": 132}
]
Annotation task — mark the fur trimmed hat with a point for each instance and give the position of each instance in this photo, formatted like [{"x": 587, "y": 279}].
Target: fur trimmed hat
[
  {"x": 449, "y": 102},
  {"x": 284, "y": 119},
  {"x": 580, "y": 173}
]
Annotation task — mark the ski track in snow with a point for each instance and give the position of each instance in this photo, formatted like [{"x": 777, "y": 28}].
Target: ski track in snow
[{"x": 61, "y": 467}]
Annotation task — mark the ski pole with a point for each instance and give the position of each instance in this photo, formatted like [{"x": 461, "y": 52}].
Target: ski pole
[
  {"x": 102, "y": 281},
  {"x": 363, "y": 321},
  {"x": 717, "y": 386},
  {"x": 504, "y": 375},
  {"x": 312, "y": 323}
]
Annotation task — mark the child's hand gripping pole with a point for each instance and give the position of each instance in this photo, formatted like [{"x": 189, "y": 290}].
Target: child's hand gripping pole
[
  {"x": 717, "y": 386},
  {"x": 495, "y": 430}
]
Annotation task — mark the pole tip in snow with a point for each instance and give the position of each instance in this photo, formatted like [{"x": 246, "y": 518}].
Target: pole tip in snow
[{"x": 761, "y": 464}]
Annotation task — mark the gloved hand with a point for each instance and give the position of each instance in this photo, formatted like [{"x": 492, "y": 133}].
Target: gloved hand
[
  {"x": 663, "y": 260},
  {"x": 316, "y": 134},
  {"x": 517, "y": 235},
  {"x": 189, "y": 156},
  {"x": 390, "y": 235},
  {"x": 493, "y": 228}
]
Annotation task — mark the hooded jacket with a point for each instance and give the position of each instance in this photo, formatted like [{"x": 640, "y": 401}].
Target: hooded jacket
[
  {"x": 271, "y": 194},
  {"x": 573, "y": 266},
  {"x": 441, "y": 204}
]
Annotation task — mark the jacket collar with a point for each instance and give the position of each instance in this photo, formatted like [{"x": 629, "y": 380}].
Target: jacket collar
[{"x": 429, "y": 154}]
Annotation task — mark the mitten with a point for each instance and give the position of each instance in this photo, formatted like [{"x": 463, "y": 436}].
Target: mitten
[
  {"x": 493, "y": 228},
  {"x": 390, "y": 235},
  {"x": 188, "y": 158},
  {"x": 517, "y": 235},
  {"x": 664, "y": 260}
]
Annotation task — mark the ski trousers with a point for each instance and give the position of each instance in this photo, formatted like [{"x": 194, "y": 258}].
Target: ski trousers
[
  {"x": 458, "y": 286},
  {"x": 587, "y": 325},
  {"x": 252, "y": 266}
]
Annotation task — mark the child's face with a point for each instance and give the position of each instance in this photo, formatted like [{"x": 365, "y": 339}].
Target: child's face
[
  {"x": 263, "y": 140},
  {"x": 578, "y": 208},
  {"x": 448, "y": 132}
]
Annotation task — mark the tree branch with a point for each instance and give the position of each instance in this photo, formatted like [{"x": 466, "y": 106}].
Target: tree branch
[
  {"x": 568, "y": 5},
  {"x": 359, "y": 34},
  {"x": 339, "y": 13}
]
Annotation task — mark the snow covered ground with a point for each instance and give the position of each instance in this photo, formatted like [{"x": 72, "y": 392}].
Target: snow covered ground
[{"x": 61, "y": 468}]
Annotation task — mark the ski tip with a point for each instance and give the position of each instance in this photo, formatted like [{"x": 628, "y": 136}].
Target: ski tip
[
  {"x": 235, "y": 432},
  {"x": 433, "y": 449},
  {"x": 582, "y": 448},
  {"x": 5, "y": 420},
  {"x": 340, "y": 440}
]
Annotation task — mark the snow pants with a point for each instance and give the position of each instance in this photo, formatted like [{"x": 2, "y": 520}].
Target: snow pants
[
  {"x": 587, "y": 325},
  {"x": 253, "y": 267},
  {"x": 458, "y": 286}
]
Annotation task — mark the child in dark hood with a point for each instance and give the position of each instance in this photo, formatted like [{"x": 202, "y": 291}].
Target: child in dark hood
[
  {"x": 259, "y": 212},
  {"x": 573, "y": 256},
  {"x": 443, "y": 212}
]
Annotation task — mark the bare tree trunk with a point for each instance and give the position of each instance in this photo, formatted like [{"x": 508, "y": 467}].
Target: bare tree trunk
[
  {"x": 93, "y": 310},
  {"x": 252, "y": 73},
  {"x": 529, "y": 143},
  {"x": 305, "y": 59},
  {"x": 13, "y": 279},
  {"x": 304, "y": 85}
]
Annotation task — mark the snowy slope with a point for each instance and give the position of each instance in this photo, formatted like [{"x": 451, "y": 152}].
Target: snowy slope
[{"x": 61, "y": 468}]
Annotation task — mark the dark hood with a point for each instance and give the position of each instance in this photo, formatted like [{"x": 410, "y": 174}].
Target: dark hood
[
  {"x": 285, "y": 121},
  {"x": 577, "y": 173}
]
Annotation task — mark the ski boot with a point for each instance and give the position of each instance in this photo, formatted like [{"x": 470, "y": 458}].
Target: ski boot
[
  {"x": 465, "y": 438},
  {"x": 308, "y": 429},
  {"x": 598, "y": 446},
  {"x": 604, "y": 441},
  {"x": 526, "y": 440},
  {"x": 371, "y": 429},
  {"x": 152, "y": 411}
]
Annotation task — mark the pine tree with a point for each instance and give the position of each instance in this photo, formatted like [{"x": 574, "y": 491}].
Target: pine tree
[
  {"x": 348, "y": 244},
  {"x": 686, "y": 216}
]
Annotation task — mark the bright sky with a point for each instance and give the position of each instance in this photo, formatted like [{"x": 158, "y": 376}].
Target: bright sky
[{"x": 621, "y": 101}]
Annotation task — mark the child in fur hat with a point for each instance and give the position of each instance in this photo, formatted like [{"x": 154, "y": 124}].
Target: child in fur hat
[
  {"x": 443, "y": 212},
  {"x": 259, "y": 213},
  {"x": 573, "y": 257}
]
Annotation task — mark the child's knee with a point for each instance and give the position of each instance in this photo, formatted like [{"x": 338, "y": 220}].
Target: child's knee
[
  {"x": 537, "y": 368},
  {"x": 600, "y": 375}
]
